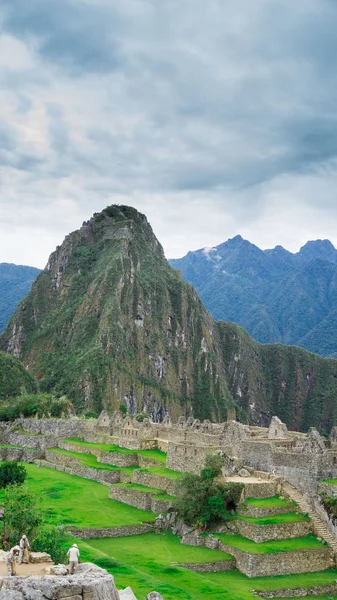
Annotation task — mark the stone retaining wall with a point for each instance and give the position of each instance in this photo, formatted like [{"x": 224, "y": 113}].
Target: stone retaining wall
[
  {"x": 265, "y": 533},
  {"x": 329, "y": 489},
  {"x": 281, "y": 563},
  {"x": 261, "y": 489},
  {"x": 132, "y": 497},
  {"x": 325, "y": 591},
  {"x": 155, "y": 481},
  {"x": 142, "y": 500},
  {"x": 257, "y": 513},
  {"x": 21, "y": 454},
  {"x": 110, "y": 532},
  {"x": 108, "y": 458},
  {"x": 224, "y": 565},
  {"x": 29, "y": 441}
]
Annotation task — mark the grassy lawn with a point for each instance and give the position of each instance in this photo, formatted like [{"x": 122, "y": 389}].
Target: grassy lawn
[
  {"x": 147, "y": 562},
  {"x": 291, "y": 517},
  {"x": 274, "y": 502},
  {"x": 155, "y": 454},
  {"x": 91, "y": 461},
  {"x": 10, "y": 446},
  {"x": 80, "y": 502},
  {"x": 272, "y": 547},
  {"x": 330, "y": 481}
]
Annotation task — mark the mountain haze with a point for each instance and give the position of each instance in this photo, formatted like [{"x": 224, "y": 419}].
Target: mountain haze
[
  {"x": 15, "y": 283},
  {"x": 275, "y": 295},
  {"x": 109, "y": 321}
]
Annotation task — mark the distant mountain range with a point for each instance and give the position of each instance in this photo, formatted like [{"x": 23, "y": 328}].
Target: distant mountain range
[
  {"x": 15, "y": 283},
  {"x": 275, "y": 295}
]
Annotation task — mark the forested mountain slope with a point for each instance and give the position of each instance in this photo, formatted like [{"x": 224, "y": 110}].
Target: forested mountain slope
[
  {"x": 275, "y": 295},
  {"x": 109, "y": 321},
  {"x": 15, "y": 283}
]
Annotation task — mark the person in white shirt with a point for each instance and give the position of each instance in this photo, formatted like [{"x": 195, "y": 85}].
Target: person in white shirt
[
  {"x": 73, "y": 555},
  {"x": 24, "y": 550}
]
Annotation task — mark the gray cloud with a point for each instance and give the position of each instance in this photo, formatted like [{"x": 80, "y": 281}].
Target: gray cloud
[{"x": 212, "y": 122}]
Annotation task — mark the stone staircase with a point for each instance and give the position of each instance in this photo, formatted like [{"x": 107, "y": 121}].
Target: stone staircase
[{"x": 321, "y": 529}]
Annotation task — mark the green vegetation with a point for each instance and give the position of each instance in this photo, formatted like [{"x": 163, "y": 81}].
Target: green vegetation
[
  {"x": 291, "y": 517},
  {"x": 11, "y": 473},
  {"x": 273, "y": 502},
  {"x": 273, "y": 547},
  {"x": 22, "y": 514},
  {"x": 162, "y": 472},
  {"x": 91, "y": 461},
  {"x": 203, "y": 499},
  {"x": 150, "y": 562},
  {"x": 14, "y": 378},
  {"x": 154, "y": 454},
  {"x": 31, "y": 405},
  {"x": 68, "y": 499},
  {"x": 330, "y": 505},
  {"x": 330, "y": 481}
]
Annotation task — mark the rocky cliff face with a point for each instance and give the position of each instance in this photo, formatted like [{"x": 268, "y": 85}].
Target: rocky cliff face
[{"x": 109, "y": 321}]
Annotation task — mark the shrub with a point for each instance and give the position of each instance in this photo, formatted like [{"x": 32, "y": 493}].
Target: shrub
[
  {"x": 22, "y": 514},
  {"x": 202, "y": 499},
  {"x": 30, "y": 405},
  {"x": 123, "y": 409},
  {"x": 53, "y": 540},
  {"x": 11, "y": 473}
]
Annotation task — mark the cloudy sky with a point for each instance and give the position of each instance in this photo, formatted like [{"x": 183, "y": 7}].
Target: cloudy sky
[{"x": 213, "y": 118}]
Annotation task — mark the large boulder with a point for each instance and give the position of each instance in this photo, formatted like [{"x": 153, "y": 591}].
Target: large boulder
[{"x": 89, "y": 581}]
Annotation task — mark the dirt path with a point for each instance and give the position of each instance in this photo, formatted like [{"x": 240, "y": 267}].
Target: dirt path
[{"x": 24, "y": 570}]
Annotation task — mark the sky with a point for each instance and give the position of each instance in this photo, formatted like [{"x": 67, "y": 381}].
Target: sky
[{"x": 213, "y": 118}]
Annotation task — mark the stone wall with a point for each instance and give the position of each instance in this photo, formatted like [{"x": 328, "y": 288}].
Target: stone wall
[
  {"x": 281, "y": 563},
  {"x": 265, "y": 533},
  {"x": 142, "y": 500},
  {"x": 328, "y": 489},
  {"x": 109, "y": 458},
  {"x": 251, "y": 511},
  {"x": 155, "y": 481},
  {"x": 261, "y": 489},
  {"x": 29, "y": 440},
  {"x": 110, "y": 532},
  {"x": 222, "y": 565},
  {"x": 21, "y": 454}
]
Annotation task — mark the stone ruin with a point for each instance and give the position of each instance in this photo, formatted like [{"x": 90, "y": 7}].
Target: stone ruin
[{"x": 277, "y": 430}]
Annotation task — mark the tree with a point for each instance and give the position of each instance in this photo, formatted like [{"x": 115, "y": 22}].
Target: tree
[
  {"x": 204, "y": 499},
  {"x": 53, "y": 540},
  {"x": 11, "y": 473},
  {"x": 22, "y": 514}
]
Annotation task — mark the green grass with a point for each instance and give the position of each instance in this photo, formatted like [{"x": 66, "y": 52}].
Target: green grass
[
  {"x": 291, "y": 517},
  {"x": 91, "y": 461},
  {"x": 80, "y": 502},
  {"x": 16, "y": 447},
  {"x": 272, "y": 547},
  {"x": 330, "y": 481},
  {"x": 154, "y": 454},
  {"x": 147, "y": 562},
  {"x": 274, "y": 502},
  {"x": 162, "y": 472}
]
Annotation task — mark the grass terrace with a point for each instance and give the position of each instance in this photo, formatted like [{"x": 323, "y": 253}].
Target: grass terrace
[
  {"x": 330, "y": 481},
  {"x": 11, "y": 446},
  {"x": 69, "y": 499},
  {"x": 162, "y": 472},
  {"x": 272, "y": 547},
  {"x": 136, "y": 487},
  {"x": 274, "y": 502},
  {"x": 149, "y": 562},
  {"x": 291, "y": 517},
  {"x": 154, "y": 454},
  {"x": 91, "y": 461}
]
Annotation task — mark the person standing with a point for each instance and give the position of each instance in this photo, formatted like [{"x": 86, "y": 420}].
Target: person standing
[
  {"x": 73, "y": 556},
  {"x": 24, "y": 549},
  {"x": 11, "y": 560}
]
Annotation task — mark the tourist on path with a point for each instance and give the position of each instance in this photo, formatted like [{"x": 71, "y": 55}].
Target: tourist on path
[
  {"x": 24, "y": 549},
  {"x": 11, "y": 560},
  {"x": 73, "y": 555}
]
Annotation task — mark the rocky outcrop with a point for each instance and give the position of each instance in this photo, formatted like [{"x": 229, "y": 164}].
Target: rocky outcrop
[{"x": 89, "y": 581}]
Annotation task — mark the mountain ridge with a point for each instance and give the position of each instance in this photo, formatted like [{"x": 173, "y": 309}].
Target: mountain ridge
[
  {"x": 276, "y": 295},
  {"x": 15, "y": 283},
  {"x": 109, "y": 322}
]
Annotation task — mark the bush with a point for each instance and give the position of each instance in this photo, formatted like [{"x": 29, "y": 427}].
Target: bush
[
  {"x": 22, "y": 514},
  {"x": 123, "y": 409},
  {"x": 91, "y": 414},
  {"x": 31, "y": 405},
  {"x": 53, "y": 540},
  {"x": 202, "y": 499},
  {"x": 11, "y": 473}
]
